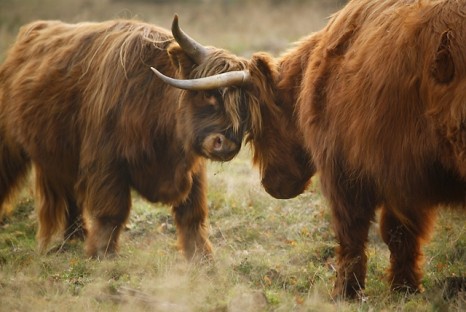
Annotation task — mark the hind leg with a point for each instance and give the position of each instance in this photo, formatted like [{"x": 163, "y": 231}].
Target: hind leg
[
  {"x": 404, "y": 239},
  {"x": 14, "y": 167},
  {"x": 191, "y": 218},
  {"x": 52, "y": 205}
]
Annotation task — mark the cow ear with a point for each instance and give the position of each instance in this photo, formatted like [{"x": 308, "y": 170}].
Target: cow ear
[
  {"x": 263, "y": 70},
  {"x": 264, "y": 74},
  {"x": 180, "y": 60},
  {"x": 443, "y": 67},
  {"x": 265, "y": 65}
]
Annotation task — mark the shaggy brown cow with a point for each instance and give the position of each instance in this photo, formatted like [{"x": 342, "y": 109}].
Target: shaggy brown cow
[
  {"x": 379, "y": 100},
  {"x": 80, "y": 103}
]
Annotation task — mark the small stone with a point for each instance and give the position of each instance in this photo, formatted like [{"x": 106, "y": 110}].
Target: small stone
[{"x": 253, "y": 301}]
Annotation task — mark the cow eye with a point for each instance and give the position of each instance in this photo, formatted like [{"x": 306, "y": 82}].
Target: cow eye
[
  {"x": 214, "y": 93},
  {"x": 213, "y": 97}
]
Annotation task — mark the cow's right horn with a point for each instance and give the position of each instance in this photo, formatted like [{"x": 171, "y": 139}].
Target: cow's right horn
[
  {"x": 233, "y": 78},
  {"x": 196, "y": 51}
]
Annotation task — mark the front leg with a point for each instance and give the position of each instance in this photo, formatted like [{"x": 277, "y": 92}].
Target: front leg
[
  {"x": 191, "y": 220},
  {"x": 353, "y": 207},
  {"x": 106, "y": 200},
  {"x": 351, "y": 232}
]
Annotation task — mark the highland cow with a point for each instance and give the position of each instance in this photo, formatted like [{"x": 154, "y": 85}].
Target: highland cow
[
  {"x": 378, "y": 100},
  {"x": 79, "y": 104}
]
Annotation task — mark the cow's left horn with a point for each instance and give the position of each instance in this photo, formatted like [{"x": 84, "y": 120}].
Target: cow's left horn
[
  {"x": 196, "y": 51},
  {"x": 233, "y": 78}
]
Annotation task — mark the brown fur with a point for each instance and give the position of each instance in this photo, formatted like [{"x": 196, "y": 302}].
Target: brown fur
[
  {"x": 377, "y": 98},
  {"x": 80, "y": 103},
  {"x": 284, "y": 175}
]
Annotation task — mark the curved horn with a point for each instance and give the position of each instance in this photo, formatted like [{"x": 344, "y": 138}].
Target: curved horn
[
  {"x": 196, "y": 51},
  {"x": 233, "y": 78}
]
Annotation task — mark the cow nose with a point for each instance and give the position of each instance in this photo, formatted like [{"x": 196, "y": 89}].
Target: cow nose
[
  {"x": 218, "y": 142},
  {"x": 219, "y": 147},
  {"x": 284, "y": 191},
  {"x": 283, "y": 185}
]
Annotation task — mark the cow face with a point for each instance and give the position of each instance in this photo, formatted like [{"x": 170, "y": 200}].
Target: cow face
[
  {"x": 286, "y": 167},
  {"x": 212, "y": 127},
  {"x": 211, "y": 114}
]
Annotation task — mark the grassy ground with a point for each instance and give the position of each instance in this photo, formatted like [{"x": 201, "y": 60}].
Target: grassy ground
[{"x": 274, "y": 255}]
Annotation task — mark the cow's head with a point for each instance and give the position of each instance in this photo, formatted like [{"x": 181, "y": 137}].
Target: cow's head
[
  {"x": 240, "y": 99},
  {"x": 211, "y": 113},
  {"x": 285, "y": 165}
]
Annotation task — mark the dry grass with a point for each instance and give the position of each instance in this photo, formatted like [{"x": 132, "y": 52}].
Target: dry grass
[
  {"x": 280, "y": 249},
  {"x": 278, "y": 254}
]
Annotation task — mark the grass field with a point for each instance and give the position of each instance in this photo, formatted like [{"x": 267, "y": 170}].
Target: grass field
[{"x": 270, "y": 255}]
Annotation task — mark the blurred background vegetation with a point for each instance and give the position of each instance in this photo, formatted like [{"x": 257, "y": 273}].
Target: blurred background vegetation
[{"x": 241, "y": 26}]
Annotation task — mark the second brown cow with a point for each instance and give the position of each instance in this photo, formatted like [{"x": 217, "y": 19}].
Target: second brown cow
[{"x": 378, "y": 101}]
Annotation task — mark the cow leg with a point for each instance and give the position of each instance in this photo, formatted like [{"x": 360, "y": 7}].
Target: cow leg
[
  {"x": 57, "y": 210},
  {"x": 353, "y": 207},
  {"x": 106, "y": 200},
  {"x": 75, "y": 227},
  {"x": 51, "y": 206},
  {"x": 191, "y": 218},
  {"x": 14, "y": 166},
  {"x": 351, "y": 233},
  {"x": 404, "y": 239}
]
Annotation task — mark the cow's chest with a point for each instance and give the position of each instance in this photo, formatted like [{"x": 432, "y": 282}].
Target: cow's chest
[{"x": 167, "y": 182}]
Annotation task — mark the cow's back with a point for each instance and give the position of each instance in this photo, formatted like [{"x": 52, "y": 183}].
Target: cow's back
[
  {"x": 62, "y": 81},
  {"x": 369, "y": 91}
]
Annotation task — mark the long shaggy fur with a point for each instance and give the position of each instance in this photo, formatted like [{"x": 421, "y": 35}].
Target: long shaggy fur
[
  {"x": 79, "y": 103},
  {"x": 378, "y": 101}
]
